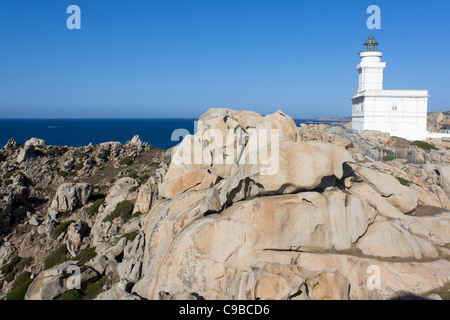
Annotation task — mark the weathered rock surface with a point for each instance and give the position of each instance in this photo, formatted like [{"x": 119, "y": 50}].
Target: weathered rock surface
[
  {"x": 70, "y": 196},
  {"x": 311, "y": 218},
  {"x": 389, "y": 239},
  {"x": 53, "y": 282}
]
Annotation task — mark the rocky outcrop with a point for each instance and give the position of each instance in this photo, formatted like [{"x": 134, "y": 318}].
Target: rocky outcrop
[
  {"x": 70, "y": 196},
  {"x": 28, "y": 152},
  {"x": 250, "y": 207},
  {"x": 54, "y": 282},
  {"x": 35, "y": 142},
  {"x": 213, "y": 241},
  {"x": 435, "y": 121},
  {"x": 404, "y": 198},
  {"x": 76, "y": 232}
]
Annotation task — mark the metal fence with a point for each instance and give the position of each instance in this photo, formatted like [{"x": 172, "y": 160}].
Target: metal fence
[{"x": 382, "y": 154}]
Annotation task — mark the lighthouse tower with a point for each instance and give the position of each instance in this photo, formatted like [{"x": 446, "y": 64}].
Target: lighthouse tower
[
  {"x": 401, "y": 113},
  {"x": 371, "y": 68}
]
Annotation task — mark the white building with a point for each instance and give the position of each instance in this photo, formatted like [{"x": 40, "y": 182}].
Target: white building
[{"x": 401, "y": 113}]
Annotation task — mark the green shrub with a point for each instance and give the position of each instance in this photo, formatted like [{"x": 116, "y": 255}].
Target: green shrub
[
  {"x": 8, "y": 175},
  {"x": 123, "y": 209},
  {"x": 424, "y": 145},
  {"x": 70, "y": 295},
  {"x": 16, "y": 265},
  {"x": 85, "y": 255},
  {"x": 133, "y": 189},
  {"x": 94, "y": 208},
  {"x": 20, "y": 287},
  {"x": 56, "y": 151},
  {"x": 136, "y": 215},
  {"x": 94, "y": 289},
  {"x": 65, "y": 174},
  {"x": 125, "y": 161},
  {"x": 131, "y": 235},
  {"x": 388, "y": 155},
  {"x": 153, "y": 164},
  {"x": 444, "y": 292},
  {"x": 142, "y": 179},
  {"x": 57, "y": 256},
  {"x": 403, "y": 181},
  {"x": 7, "y": 268},
  {"x": 79, "y": 166},
  {"x": 61, "y": 228},
  {"x": 103, "y": 154},
  {"x": 133, "y": 174},
  {"x": 7, "y": 182}
]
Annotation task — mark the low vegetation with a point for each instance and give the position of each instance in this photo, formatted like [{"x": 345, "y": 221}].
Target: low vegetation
[
  {"x": 103, "y": 154},
  {"x": 85, "y": 255},
  {"x": 61, "y": 228},
  {"x": 79, "y": 166},
  {"x": 56, "y": 151},
  {"x": 443, "y": 292},
  {"x": 20, "y": 287},
  {"x": 93, "y": 210},
  {"x": 123, "y": 209},
  {"x": 153, "y": 164},
  {"x": 57, "y": 256},
  {"x": 131, "y": 235},
  {"x": 71, "y": 295},
  {"x": 424, "y": 145},
  {"x": 94, "y": 289},
  {"x": 126, "y": 161},
  {"x": 65, "y": 174},
  {"x": 16, "y": 265},
  {"x": 8, "y": 175},
  {"x": 133, "y": 189},
  {"x": 403, "y": 181}
]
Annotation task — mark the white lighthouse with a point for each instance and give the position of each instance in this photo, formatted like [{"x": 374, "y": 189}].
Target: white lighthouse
[{"x": 401, "y": 113}]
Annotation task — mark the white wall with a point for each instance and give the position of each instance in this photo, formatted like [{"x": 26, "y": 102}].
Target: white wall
[
  {"x": 401, "y": 113},
  {"x": 371, "y": 71}
]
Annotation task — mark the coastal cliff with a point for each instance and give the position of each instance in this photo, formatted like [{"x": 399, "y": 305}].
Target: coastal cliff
[{"x": 310, "y": 219}]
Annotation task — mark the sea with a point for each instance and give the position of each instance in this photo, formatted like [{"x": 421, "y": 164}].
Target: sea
[{"x": 160, "y": 133}]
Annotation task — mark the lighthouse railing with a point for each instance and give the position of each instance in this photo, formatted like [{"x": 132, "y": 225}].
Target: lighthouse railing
[{"x": 378, "y": 153}]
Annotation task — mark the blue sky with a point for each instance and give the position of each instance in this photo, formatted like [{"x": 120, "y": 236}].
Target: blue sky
[{"x": 177, "y": 58}]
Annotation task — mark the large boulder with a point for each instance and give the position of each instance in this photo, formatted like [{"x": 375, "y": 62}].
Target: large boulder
[
  {"x": 53, "y": 282},
  {"x": 224, "y": 139},
  {"x": 201, "y": 256},
  {"x": 122, "y": 190},
  {"x": 27, "y": 153},
  {"x": 75, "y": 235},
  {"x": 439, "y": 225},
  {"x": 35, "y": 142},
  {"x": 389, "y": 240},
  {"x": 146, "y": 196},
  {"x": 444, "y": 178},
  {"x": 402, "y": 197},
  {"x": 70, "y": 196},
  {"x": 386, "y": 278}
]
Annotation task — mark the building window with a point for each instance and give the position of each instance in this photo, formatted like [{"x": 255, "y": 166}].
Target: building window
[{"x": 394, "y": 107}]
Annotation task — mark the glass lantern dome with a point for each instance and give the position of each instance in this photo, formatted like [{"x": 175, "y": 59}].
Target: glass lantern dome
[{"x": 371, "y": 45}]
